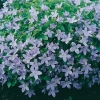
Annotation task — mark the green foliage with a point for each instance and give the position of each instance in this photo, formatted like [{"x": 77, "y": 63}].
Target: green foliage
[{"x": 9, "y": 84}]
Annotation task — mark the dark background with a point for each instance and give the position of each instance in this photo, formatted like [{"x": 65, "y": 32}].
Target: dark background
[{"x": 14, "y": 93}]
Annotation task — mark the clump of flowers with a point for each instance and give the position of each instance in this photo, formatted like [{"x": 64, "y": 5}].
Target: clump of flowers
[{"x": 49, "y": 43}]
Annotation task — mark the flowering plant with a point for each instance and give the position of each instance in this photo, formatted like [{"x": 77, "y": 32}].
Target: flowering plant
[{"x": 49, "y": 43}]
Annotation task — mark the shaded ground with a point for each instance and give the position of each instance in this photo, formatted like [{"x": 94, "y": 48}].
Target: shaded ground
[{"x": 14, "y": 93}]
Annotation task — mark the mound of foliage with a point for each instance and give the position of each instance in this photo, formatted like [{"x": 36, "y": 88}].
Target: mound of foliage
[{"x": 49, "y": 43}]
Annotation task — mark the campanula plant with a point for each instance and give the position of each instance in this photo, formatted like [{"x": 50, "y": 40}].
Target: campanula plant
[{"x": 49, "y": 43}]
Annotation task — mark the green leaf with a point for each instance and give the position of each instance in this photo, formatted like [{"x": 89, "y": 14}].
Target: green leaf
[
  {"x": 70, "y": 28},
  {"x": 8, "y": 84},
  {"x": 43, "y": 37},
  {"x": 70, "y": 98},
  {"x": 61, "y": 27},
  {"x": 14, "y": 83},
  {"x": 98, "y": 48},
  {"x": 46, "y": 78}
]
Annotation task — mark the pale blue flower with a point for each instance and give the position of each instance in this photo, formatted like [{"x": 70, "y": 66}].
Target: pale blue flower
[
  {"x": 66, "y": 13},
  {"x": 5, "y": 9},
  {"x": 60, "y": 19},
  {"x": 22, "y": 75},
  {"x": 64, "y": 55},
  {"x": 67, "y": 38},
  {"x": 12, "y": 57},
  {"x": 45, "y": 19},
  {"x": 2, "y": 26},
  {"x": 83, "y": 61},
  {"x": 33, "y": 12},
  {"x": 66, "y": 83},
  {"x": 94, "y": 54},
  {"x": 59, "y": 5},
  {"x": 31, "y": 20},
  {"x": 86, "y": 68},
  {"x": 10, "y": 37},
  {"x": 67, "y": 70},
  {"x": 35, "y": 63},
  {"x": 16, "y": 69},
  {"x": 54, "y": 14},
  {"x": 13, "y": 43},
  {"x": 87, "y": 1},
  {"x": 52, "y": 63},
  {"x": 1, "y": 15},
  {"x": 51, "y": 85},
  {"x": 56, "y": 79},
  {"x": 49, "y": 33},
  {"x": 15, "y": 26},
  {"x": 71, "y": 61},
  {"x": 75, "y": 47},
  {"x": 60, "y": 34},
  {"x": 76, "y": 72},
  {"x": 53, "y": 92},
  {"x": 35, "y": 72},
  {"x": 34, "y": 51},
  {"x": 53, "y": 26},
  {"x": 44, "y": 7},
  {"x": 30, "y": 93},
  {"x": 84, "y": 49},
  {"x": 44, "y": 59},
  {"x": 24, "y": 86},
  {"x": 27, "y": 58},
  {"x": 52, "y": 47},
  {"x": 10, "y": 1},
  {"x": 72, "y": 20},
  {"x": 77, "y": 2},
  {"x": 77, "y": 85},
  {"x": 9, "y": 26},
  {"x": 86, "y": 32},
  {"x": 94, "y": 79},
  {"x": 84, "y": 40}
]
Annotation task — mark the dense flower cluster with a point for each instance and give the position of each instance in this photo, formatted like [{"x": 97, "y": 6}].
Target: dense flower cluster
[{"x": 49, "y": 43}]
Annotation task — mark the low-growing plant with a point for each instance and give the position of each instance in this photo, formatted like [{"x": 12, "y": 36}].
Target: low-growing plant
[{"x": 49, "y": 43}]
